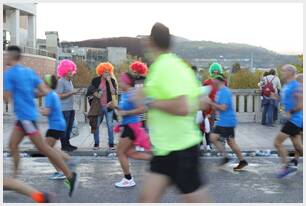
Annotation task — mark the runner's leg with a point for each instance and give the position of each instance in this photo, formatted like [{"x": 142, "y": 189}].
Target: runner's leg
[
  {"x": 278, "y": 144},
  {"x": 214, "y": 138},
  {"x": 15, "y": 139},
  {"x": 124, "y": 145},
  {"x": 53, "y": 156},
  {"x": 154, "y": 187},
  {"x": 233, "y": 145},
  {"x": 201, "y": 195},
  {"x": 297, "y": 143}
]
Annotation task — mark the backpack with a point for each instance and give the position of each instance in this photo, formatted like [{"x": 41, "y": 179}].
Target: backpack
[{"x": 268, "y": 88}]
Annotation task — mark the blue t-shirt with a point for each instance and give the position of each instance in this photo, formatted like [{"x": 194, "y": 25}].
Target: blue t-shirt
[
  {"x": 55, "y": 117},
  {"x": 225, "y": 118},
  {"x": 126, "y": 104},
  {"x": 21, "y": 82},
  {"x": 288, "y": 100}
]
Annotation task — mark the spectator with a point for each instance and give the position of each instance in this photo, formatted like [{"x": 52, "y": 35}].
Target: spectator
[
  {"x": 270, "y": 83},
  {"x": 66, "y": 69},
  {"x": 106, "y": 85}
]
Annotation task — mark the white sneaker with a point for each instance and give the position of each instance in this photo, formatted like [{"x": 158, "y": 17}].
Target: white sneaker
[
  {"x": 208, "y": 148},
  {"x": 202, "y": 147},
  {"x": 124, "y": 183},
  {"x": 57, "y": 176}
]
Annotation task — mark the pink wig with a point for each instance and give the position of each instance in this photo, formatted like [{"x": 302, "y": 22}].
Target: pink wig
[
  {"x": 65, "y": 66},
  {"x": 104, "y": 67},
  {"x": 139, "y": 68}
]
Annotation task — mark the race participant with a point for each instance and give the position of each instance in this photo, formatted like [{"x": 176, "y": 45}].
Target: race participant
[
  {"x": 293, "y": 106},
  {"x": 20, "y": 85},
  {"x": 171, "y": 94},
  {"x": 226, "y": 123},
  {"x": 133, "y": 134}
]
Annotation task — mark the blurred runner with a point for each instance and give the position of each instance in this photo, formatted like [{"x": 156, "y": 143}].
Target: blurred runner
[
  {"x": 293, "y": 106},
  {"x": 133, "y": 134},
  {"x": 20, "y": 85},
  {"x": 226, "y": 123},
  {"x": 171, "y": 95}
]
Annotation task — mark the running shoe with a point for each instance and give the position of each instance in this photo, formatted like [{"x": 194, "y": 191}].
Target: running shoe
[
  {"x": 285, "y": 171},
  {"x": 57, "y": 176},
  {"x": 241, "y": 165},
  {"x": 96, "y": 147},
  {"x": 72, "y": 184},
  {"x": 125, "y": 183},
  {"x": 208, "y": 148},
  {"x": 43, "y": 197}
]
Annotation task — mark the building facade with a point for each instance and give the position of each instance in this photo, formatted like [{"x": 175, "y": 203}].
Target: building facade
[{"x": 19, "y": 24}]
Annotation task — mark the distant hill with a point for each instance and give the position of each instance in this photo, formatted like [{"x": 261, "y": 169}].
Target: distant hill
[{"x": 200, "y": 53}]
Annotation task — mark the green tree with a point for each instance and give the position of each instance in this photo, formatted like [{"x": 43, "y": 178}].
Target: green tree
[{"x": 236, "y": 67}]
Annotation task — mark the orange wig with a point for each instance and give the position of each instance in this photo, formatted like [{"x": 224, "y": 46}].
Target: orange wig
[{"x": 104, "y": 67}]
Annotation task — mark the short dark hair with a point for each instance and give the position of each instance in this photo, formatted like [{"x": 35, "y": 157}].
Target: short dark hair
[
  {"x": 53, "y": 82},
  {"x": 132, "y": 77},
  {"x": 266, "y": 73},
  {"x": 160, "y": 35},
  {"x": 272, "y": 72},
  {"x": 16, "y": 50},
  {"x": 194, "y": 68}
]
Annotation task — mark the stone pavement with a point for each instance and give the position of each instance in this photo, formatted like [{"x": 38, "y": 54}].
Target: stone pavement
[
  {"x": 98, "y": 175},
  {"x": 250, "y": 137}
]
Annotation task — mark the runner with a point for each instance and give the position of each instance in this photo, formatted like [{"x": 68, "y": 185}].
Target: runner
[
  {"x": 293, "y": 106},
  {"x": 133, "y": 132},
  {"x": 57, "y": 124},
  {"x": 18, "y": 186},
  {"x": 171, "y": 94},
  {"x": 226, "y": 123},
  {"x": 20, "y": 84},
  {"x": 140, "y": 70}
]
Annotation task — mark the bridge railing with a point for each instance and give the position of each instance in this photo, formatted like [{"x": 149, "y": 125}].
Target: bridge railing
[{"x": 247, "y": 104}]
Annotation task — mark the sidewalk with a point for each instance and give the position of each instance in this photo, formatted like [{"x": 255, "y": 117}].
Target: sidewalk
[{"x": 249, "y": 136}]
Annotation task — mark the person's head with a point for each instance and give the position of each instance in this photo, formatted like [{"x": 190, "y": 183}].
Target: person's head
[
  {"x": 12, "y": 55},
  {"x": 215, "y": 69},
  {"x": 288, "y": 71},
  {"x": 126, "y": 81},
  {"x": 266, "y": 73},
  {"x": 299, "y": 78},
  {"x": 194, "y": 68},
  {"x": 159, "y": 41},
  {"x": 272, "y": 72},
  {"x": 104, "y": 69},
  {"x": 50, "y": 81},
  {"x": 66, "y": 69},
  {"x": 218, "y": 81}
]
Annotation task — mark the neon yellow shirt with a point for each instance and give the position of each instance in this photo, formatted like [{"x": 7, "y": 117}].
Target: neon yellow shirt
[{"x": 170, "y": 77}]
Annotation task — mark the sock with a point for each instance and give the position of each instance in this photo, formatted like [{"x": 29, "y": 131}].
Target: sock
[
  {"x": 128, "y": 176},
  {"x": 38, "y": 197}
]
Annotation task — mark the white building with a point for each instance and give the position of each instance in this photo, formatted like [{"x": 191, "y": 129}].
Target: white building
[
  {"x": 116, "y": 55},
  {"x": 19, "y": 24}
]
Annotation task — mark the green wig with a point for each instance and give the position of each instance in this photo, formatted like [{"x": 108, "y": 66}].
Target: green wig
[{"x": 215, "y": 69}]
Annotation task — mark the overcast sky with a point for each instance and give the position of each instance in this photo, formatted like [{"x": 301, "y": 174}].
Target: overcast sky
[{"x": 275, "y": 26}]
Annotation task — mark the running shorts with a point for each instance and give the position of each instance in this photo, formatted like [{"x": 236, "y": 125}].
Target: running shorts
[
  {"x": 224, "y": 132},
  {"x": 27, "y": 126},
  {"x": 127, "y": 132},
  {"x": 291, "y": 129},
  {"x": 56, "y": 134},
  {"x": 182, "y": 167}
]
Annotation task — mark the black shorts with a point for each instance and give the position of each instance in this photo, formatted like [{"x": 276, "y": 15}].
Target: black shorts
[
  {"x": 127, "y": 132},
  {"x": 182, "y": 167},
  {"x": 28, "y": 127},
  {"x": 291, "y": 129},
  {"x": 224, "y": 132},
  {"x": 56, "y": 134}
]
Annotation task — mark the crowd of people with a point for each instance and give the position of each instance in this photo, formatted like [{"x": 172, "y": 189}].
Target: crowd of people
[{"x": 165, "y": 110}]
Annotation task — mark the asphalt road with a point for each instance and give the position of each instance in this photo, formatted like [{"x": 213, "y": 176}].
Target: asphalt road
[{"x": 258, "y": 183}]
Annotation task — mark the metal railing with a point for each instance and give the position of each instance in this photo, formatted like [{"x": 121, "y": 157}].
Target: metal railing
[{"x": 34, "y": 51}]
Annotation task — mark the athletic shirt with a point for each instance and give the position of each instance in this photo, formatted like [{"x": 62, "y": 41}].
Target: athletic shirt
[
  {"x": 55, "y": 118},
  {"x": 22, "y": 82},
  {"x": 289, "y": 101},
  {"x": 225, "y": 118},
  {"x": 169, "y": 78},
  {"x": 126, "y": 104}
]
